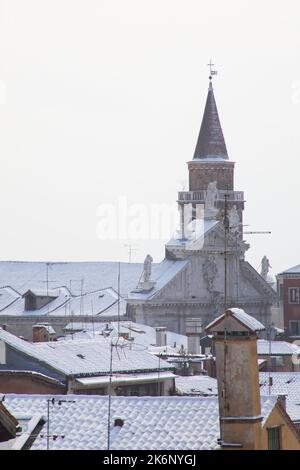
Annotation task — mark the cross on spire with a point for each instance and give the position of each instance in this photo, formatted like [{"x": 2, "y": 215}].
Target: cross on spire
[
  {"x": 211, "y": 143},
  {"x": 211, "y": 71}
]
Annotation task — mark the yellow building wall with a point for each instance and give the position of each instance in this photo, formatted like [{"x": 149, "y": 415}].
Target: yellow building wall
[{"x": 289, "y": 440}]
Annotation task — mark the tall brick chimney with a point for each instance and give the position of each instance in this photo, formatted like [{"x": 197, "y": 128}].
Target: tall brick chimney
[{"x": 235, "y": 341}]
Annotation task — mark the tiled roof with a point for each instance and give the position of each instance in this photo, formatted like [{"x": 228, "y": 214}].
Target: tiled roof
[
  {"x": 265, "y": 347},
  {"x": 283, "y": 383},
  {"x": 157, "y": 423},
  {"x": 83, "y": 357},
  {"x": 196, "y": 385},
  {"x": 143, "y": 334}
]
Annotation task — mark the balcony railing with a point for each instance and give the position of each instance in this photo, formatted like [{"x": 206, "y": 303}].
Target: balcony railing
[{"x": 200, "y": 196}]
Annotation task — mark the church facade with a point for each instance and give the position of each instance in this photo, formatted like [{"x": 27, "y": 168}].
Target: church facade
[{"x": 204, "y": 270}]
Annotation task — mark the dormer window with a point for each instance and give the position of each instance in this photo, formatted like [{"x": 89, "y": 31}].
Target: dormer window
[{"x": 34, "y": 300}]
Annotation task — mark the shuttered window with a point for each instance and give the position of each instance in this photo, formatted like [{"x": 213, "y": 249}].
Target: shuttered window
[{"x": 274, "y": 438}]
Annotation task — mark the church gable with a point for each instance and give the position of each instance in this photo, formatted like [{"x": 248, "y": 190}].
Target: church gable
[
  {"x": 252, "y": 283},
  {"x": 176, "y": 288},
  {"x": 215, "y": 238}
]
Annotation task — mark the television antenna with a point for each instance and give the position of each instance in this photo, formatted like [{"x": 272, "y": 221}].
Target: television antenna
[
  {"x": 48, "y": 435},
  {"x": 227, "y": 228},
  {"x": 131, "y": 249}
]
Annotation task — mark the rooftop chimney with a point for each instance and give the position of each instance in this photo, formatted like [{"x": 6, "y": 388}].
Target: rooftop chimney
[
  {"x": 282, "y": 400},
  {"x": 161, "y": 336},
  {"x": 43, "y": 332},
  {"x": 235, "y": 340},
  {"x": 193, "y": 330}
]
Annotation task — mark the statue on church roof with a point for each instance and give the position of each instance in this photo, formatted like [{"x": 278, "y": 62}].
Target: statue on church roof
[
  {"x": 234, "y": 220},
  {"x": 211, "y": 195},
  {"x": 147, "y": 268},
  {"x": 210, "y": 271},
  {"x": 265, "y": 267}
]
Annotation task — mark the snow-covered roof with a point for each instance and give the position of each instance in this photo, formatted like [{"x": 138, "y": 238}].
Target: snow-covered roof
[
  {"x": 283, "y": 383},
  {"x": 247, "y": 320},
  {"x": 84, "y": 357},
  {"x": 161, "y": 275},
  {"x": 195, "y": 233},
  {"x": 96, "y": 295},
  {"x": 42, "y": 292},
  {"x": 102, "y": 302},
  {"x": 125, "y": 378},
  {"x": 293, "y": 270},
  {"x": 143, "y": 334},
  {"x": 196, "y": 385},
  {"x": 157, "y": 423},
  {"x": 96, "y": 275},
  {"x": 8, "y": 296},
  {"x": 260, "y": 362},
  {"x": 27, "y": 423},
  {"x": 279, "y": 348}
]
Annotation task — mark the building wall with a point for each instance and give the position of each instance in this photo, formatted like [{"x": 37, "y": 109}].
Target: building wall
[
  {"x": 26, "y": 383},
  {"x": 173, "y": 315},
  {"x": 290, "y": 311}
]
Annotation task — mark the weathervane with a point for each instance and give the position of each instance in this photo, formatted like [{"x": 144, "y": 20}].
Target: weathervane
[{"x": 211, "y": 71}]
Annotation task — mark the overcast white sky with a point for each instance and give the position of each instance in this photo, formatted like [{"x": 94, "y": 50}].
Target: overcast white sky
[{"x": 102, "y": 99}]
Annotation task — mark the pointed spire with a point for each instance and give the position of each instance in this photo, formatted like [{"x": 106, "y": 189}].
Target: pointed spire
[{"x": 210, "y": 143}]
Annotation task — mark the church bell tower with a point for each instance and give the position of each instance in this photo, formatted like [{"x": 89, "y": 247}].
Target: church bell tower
[{"x": 211, "y": 170}]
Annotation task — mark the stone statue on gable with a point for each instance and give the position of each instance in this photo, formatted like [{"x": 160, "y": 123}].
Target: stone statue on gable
[
  {"x": 211, "y": 195},
  {"x": 265, "y": 267},
  {"x": 147, "y": 268},
  {"x": 234, "y": 219},
  {"x": 210, "y": 271}
]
